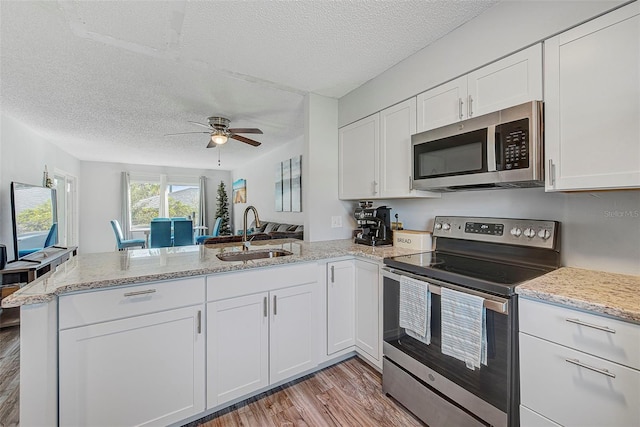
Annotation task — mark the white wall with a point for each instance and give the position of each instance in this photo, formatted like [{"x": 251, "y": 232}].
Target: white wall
[
  {"x": 260, "y": 174},
  {"x": 599, "y": 231},
  {"x": 320, "y": 182},
  {"x": 503, "y": 29},
  {"x": 23, "y": 156},
  {"x": 100, "y": 197}
]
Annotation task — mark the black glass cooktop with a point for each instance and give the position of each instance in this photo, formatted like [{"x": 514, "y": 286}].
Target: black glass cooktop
[{"x": 489, "y": 275}]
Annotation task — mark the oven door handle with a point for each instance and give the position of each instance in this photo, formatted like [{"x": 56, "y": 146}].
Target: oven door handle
[{"x": 491, "y": 302}]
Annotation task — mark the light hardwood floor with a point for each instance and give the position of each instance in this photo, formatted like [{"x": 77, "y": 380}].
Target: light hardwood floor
[
  {"x": 346, "y": 394},
  {"x": 9, "y": 376}
]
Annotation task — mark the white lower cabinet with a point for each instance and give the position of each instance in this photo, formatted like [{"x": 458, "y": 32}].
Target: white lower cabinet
[
  {"x": 143, "y": 370},
  {"x": 354, "y": 308},
  {"x": 577, "y": 368},
  {"x": 341, "y": 306},
  {"x": 262, "y": 338},
  {"x": 238, "y": 344},
  {"x": 368, "y": 308}
]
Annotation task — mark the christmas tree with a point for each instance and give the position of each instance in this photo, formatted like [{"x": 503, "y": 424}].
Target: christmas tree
[{"x": 222, "y": 209}]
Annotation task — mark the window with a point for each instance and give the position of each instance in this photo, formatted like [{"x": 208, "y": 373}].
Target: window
[{"x": 163, "y": 196}]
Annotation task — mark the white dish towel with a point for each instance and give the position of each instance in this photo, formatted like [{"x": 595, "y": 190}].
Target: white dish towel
[
  {"x": 415, "y": 309},
  {"x": 464, "y": 327}
]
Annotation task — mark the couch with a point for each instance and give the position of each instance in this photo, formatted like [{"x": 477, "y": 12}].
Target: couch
[{"x": 267, "y": 230}]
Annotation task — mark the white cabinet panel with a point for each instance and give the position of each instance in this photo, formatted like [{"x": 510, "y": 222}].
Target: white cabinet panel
[
  {"x": 293, "y": 332},
  {"x": 397, "y": 124},
  {"x": 588, "y": 392},
  {"x": 511, "y": 81},
  {"x": 143, "y": 370},
  {"x": 505, "y": 83},
  {"x": 238, "y": 344},
  {"x": 358, "y": 158},
  {"x": 529, "y": 418},
  {"x": 368, "y": 308},
  {"x": 442, "y": 105},
  {"x": 592, "y": 94},
  {"x": 340, "y": 306}
]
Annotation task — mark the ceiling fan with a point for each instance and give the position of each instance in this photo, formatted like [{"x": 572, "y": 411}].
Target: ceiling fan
[{"x": 220, "y": 132}]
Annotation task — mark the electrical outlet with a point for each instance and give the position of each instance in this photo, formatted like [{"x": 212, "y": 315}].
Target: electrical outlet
[{"x": 336, "y": 221}]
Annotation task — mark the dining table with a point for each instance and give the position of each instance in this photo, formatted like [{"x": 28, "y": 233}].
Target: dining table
[{"x": 147, "y": 231}]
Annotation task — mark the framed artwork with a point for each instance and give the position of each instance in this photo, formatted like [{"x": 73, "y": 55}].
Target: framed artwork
[
  {"x": 296, "y": 184},
  {"x": 278, "y": 189},
  {"x": 288, "y": 187},
  {"x": 240, "y": 191}
]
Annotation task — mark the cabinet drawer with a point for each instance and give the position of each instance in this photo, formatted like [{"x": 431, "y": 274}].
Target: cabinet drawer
[
  {"x": 126, "y": 301},
  {"x": 574, "y": 395},
  {"x": 529, "y": 418},
  {"x": 601, "y": 336},
  {"x": 234, "y": 284}
]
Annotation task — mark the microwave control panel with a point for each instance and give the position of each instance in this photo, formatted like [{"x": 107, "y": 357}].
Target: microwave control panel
[{"x": 512, "y": 145}]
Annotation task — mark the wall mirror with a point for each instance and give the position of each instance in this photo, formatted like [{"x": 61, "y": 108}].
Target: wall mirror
[{"x": 34, "y": 216}]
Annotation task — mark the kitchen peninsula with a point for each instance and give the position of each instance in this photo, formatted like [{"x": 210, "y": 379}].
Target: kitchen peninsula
[{"x": 144, "y": 319}]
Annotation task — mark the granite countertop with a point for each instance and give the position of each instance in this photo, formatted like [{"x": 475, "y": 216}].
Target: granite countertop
[
  {"x": 616, "y": 295},
  {"x": 102, "y": 270}
]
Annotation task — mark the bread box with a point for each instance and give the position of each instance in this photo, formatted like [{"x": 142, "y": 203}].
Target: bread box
[{"x": 412, "y": 239}]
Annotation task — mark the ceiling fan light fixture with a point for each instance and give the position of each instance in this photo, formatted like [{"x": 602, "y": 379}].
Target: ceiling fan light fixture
[{"x": 218, "y": 138}]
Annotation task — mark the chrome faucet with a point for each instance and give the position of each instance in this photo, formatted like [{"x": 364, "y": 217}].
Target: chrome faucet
[{"x": 245, "y": 244}]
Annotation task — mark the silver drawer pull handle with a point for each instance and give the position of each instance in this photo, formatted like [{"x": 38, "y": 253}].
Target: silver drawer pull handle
[
  {"x": 591, "y": 368},
  {"x": 136, "y": 293},
  {"x": 590, "y": 325}
]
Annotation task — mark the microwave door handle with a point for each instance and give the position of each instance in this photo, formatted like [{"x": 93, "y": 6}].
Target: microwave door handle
[{"x": 491, "y": 148}]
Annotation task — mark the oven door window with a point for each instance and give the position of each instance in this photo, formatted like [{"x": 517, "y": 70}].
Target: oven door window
[
  {"x": 455, "y": 155},
  {"x": 490, "y": 382}
]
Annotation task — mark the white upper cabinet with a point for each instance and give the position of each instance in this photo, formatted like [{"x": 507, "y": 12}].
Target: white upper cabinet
[
  {"x": 358, "y": 158},
  {"x": 510, "y": 81},
  {"x": 375, "y": 155},
  {"x": 592, "y": 104}
]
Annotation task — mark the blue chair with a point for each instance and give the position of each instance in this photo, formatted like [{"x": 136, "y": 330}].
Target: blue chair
[
  {"x": 160, "y": 219},
  {"x": 182, "y": 232},
  {"x": 160, "y": 234},
  {"x": 215, "y": 233},
  {"x": 120, "y": 240},
  {"x": 50, "y": 240}
]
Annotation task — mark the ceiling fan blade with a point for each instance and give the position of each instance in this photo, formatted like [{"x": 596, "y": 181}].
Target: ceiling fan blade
[
  {"x": 200, "y": 124},
  {"x": 245, "y": 130},
  {"x": 183, "y": 133},
  {"x": 245, "y": 140},
  {"x": 212, "y": 144}
]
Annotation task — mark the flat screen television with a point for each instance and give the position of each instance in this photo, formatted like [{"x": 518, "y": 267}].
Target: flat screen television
[{"x": 34, "y": 216}]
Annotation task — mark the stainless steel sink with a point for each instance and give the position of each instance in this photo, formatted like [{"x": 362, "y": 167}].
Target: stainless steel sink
[{"x": 251, "y": 255}]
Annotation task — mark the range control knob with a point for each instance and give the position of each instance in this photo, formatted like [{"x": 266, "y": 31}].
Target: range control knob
[
  {"x": 446, "y": 226},
  {"x": 437, "y": 226},
  {"x": 516, "y": 232},
  {"x": 544, "y": 234},
  {"x": 529, "y": 232}
]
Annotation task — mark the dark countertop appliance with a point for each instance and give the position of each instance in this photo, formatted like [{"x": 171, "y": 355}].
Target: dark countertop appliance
[
  {"x": 375, "y": 225},
  {"x": 485, "y": 257}
]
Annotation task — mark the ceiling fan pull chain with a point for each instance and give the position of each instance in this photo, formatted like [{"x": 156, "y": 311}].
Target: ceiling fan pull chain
[{"x": 218, "y": 155}]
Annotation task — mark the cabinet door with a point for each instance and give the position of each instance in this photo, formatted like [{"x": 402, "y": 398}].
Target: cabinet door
[
  {"x": 510, "y": 81},
  {"x": 397, "y": 124},
  {"x": 442, "y": 105},
  {"x": 592, "y": 104},
  {"x": 368, "y": 308},
  {"x": 144, "y": 370},
  {"x": 340, "y": 306},
  {"x": 358, "y": 159},
  {"x": 237, "y": 347},
  {"x": 293, "y": 331}
]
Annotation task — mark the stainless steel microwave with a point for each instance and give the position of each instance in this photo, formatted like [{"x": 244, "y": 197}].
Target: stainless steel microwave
[{"x": 497, "y": 150}]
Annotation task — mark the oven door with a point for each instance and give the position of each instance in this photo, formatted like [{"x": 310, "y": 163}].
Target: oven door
[{"x": 489, "y": 393}]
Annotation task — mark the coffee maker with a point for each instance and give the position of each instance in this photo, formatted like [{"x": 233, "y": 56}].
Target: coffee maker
[{"x": 374, "y": 225}]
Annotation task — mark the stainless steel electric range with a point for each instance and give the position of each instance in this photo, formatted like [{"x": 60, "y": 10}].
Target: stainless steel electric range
[{"x": 485, "y": 257}]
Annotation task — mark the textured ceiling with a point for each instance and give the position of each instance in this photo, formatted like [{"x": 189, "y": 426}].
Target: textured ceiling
[{"x": 106, "y": 80}]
